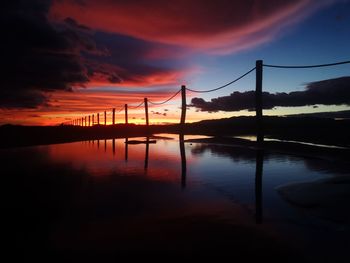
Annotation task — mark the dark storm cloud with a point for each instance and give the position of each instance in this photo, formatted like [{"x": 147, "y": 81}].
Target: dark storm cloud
[
  {"x": 326, "y": 92},
  {"x": 36, "y": 56},
  {"x": 40, "y": 56}
]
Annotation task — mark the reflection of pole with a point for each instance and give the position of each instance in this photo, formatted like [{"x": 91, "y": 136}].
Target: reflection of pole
[
  {"x": 113, "y": 146},
  {"x": 146, "y": 154},
  {"x": 183, "y": 160},
  {"x": 126, "y": 149},
  {"x": 258, "y": 186},
  {"x": 98, "y": 144},
  {"x": 105, "y": 145}
]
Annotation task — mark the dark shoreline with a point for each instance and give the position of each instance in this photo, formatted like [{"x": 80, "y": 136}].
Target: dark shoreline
[{"x": 305, "y": 129}]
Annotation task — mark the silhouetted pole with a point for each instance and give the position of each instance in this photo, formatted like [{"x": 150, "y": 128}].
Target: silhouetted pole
[
  {"x": 105, "y": 118},
  {"x": 258, "y": 186},
  {"x": 183, "y": 105},
  {"x": 258, "y": 101},
  {"x": 183, "y": 160},
  {"x": 82, "y": 122},
  {"x": 85, "y": 120},
  {"x": 126, "y": 113},
  {"x": 146, "y": 112},
  {"x": 93, "y": 120},
  {"x": 98, "y": 119},
  {"x": 113, "y": 116},
  {"x": 89, "y": 120}
]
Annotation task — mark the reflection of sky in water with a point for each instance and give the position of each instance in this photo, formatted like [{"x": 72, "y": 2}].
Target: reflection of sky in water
[{"x": 113, "y": 179}]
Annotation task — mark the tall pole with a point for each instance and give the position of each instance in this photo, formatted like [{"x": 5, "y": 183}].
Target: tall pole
[
  {"x": 93, "y": 120},
  {"x": 98, "y": 118},
  {"x": 105, "y": 118},
  {"x": 258, "y": 101},
  {"x": 126, "y": 113},
  {"x": 89, "y": 120},
  {"x": 82, "y": 121},
  {"x": 113, "y": 116},
  {"x": 183, "y": 105},
  {"x": 146, "y": 112},
  {"x": 85, "y": 120}
]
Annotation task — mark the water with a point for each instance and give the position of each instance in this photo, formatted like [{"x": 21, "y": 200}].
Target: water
[{"x": 108, "y": 199}]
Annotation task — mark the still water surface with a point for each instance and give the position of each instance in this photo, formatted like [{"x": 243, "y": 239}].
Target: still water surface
[{"x": 109, "y": 199}]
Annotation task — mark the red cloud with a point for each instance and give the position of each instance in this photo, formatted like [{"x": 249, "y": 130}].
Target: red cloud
[{"x": 222, "y": 25}]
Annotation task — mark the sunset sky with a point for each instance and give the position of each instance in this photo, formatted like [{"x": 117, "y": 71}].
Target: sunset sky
[{"x": 65, "y": 59}]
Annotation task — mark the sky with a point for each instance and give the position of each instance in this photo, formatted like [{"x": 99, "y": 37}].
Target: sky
[{"x": 66, "y": 59}]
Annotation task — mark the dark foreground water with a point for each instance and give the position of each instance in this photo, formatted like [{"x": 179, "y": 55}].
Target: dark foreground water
[{"x": 103, "y": 201}]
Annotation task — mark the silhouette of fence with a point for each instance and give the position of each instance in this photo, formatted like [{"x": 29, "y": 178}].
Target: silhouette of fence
[{"x": 259, "y": 65}]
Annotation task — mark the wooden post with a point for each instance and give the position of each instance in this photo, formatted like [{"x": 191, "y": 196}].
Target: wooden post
[
  {"x": 85, "y": 120},
  {"x": 113, "y": 116},
  {"x": 89, "y": 120},
  {"x": 105, "y": 118},
  {"x": 258, "y": 101},
  {"x": 126, "y": 113},
  {"x": 183, "y": 105},
  {"x": 93, "y": 120},
  {"x": 146, "y": 112},
  {"x": 82, "y": 121},
  {"x": 98, "y": 118}
]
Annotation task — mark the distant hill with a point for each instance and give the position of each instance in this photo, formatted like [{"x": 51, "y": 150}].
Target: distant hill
[
  {"x": 345, "y": 114},
  {"x": 302, "y": 127}
]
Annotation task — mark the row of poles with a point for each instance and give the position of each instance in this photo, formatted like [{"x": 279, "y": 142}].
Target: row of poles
[{"x": 90, "y": 119}]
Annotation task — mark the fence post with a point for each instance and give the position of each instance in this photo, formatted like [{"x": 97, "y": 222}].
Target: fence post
[
  {"x": 89, "y": 120},
  {"x": 93, "y": 120},
  {"x": 82, "y": 121},
  {"x": 113, "y": 116},
  {"x": 146, "y": 112},
  {"x": 105, "y": 118},
  {"x": 126, "y": 113},
  {"x": 183, "y": 105},
  {"x": 258, "y": 101},
  {"x": 85, "y": 120}
]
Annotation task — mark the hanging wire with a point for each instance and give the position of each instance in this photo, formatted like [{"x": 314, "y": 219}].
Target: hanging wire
[
  {"x": 160, "y": 103},
  {"x": 122, "y": 108},
  {"x": 308, "y": 66},
  {"x": 135, "y": 107},
  {"x": 221, "y": 87}
]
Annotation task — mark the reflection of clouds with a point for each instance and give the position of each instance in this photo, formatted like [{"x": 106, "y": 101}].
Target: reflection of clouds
[{"x": 244, "y": 154}]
